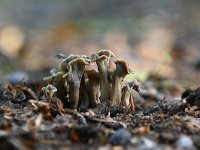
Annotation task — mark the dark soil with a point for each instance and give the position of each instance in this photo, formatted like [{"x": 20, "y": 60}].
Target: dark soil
[{"x": 27, "y": 123}]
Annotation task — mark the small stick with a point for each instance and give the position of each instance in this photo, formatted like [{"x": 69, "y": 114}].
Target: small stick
[{"x": 132, "y": 105}]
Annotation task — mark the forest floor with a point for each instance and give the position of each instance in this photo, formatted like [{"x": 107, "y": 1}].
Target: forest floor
[{"x": 28, "y": 121}]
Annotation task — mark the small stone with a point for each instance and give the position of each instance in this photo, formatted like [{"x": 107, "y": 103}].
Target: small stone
[
  {"x": 146, "y": 144},
  {"x": 117, "y": 148},
  {"x": 120, "y": 137},
  {"x": 166, "y": 137},
  {"x": 184, "y": 142},
  {"x": 105, "y": 147},
  {"x": 17, "y": 77},
  {"x": 3, "y": 133},
  {"x": 135, "y": 141}
]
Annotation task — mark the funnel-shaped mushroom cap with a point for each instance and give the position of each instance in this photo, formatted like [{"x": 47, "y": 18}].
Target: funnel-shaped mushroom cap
[
  {"x": 102, "y": 55},
  {"x": 105, "y": 52},
  {"x": 64, "y": 62},
  {"x": 49, "y": 90},
  {"x": 95, "y": 57},
  {"x": 65, "y": 65},
  {"x": 122, "y": 68},
  {"x": 78, "y": 63}
]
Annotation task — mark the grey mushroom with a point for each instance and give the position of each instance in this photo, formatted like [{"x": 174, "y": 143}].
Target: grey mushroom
[
  {"x": 49, "y": 90},
  {"x": 74, "y": 71},
  {"x": 102, "y": 60},
  {"x": 93, "y": 86},
  {"x": 126, "y": 93},
  {"x": 122, "y": 69},
  {"x": 57, "y": 80}
]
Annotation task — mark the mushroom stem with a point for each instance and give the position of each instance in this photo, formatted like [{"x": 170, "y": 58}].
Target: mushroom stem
[
  {"x": 93, "y": 86},
  {"x": 116, "y": 91},
  {"x": 132, "y": 105},
  {"x": 104, "y": 83},
  {"x": 84, "y": 101},
  {"x": 73, "y": 81},
  {"x": 74, "y": 94}
]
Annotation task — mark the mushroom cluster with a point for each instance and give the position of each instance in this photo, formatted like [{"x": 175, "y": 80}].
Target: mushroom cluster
[{"x": 79, "y": 87}]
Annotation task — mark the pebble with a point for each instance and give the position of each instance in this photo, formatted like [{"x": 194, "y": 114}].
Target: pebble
[
  {"x": 184, "y": 142},
  {"x": 146, "y": 144},
  {"x": 105, "y": 147},
  {"x": 120, "y": 137},
  {"x": 17, "y": 77}
]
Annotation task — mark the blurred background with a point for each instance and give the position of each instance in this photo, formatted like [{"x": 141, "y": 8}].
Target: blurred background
[{"x": 157, "y": 38}]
